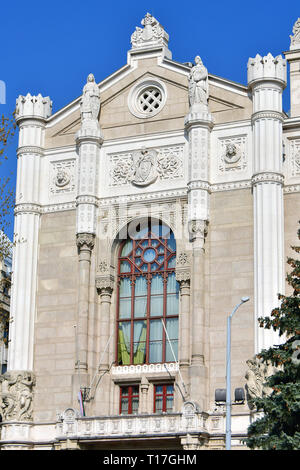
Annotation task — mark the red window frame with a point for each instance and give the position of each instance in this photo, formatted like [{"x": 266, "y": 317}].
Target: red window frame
[
  {"x": 164, "y": 394},
  {"x": 141, "y": 244},
  {"x": 132, "y": 392}
]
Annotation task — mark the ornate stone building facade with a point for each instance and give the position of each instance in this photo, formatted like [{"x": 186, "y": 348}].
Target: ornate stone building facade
[{"x": 147, "y": 208}]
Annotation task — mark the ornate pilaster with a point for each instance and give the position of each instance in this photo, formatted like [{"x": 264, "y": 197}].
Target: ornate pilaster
[
  {"x": 89, "y": 140},
  {"x": 267, "y": 79},
  {"x": 198, "y": 124},
  {"x": 31, "y": 115}
]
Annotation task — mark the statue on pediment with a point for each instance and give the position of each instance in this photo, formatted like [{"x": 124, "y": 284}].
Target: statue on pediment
[
  {"x": 295, "y": 39},
  {"x": 198, "y": 84},
  {"x": 90, "y": 101}
]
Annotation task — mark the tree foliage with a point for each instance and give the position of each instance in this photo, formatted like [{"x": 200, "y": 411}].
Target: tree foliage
[
  {"x": 7, "y": 131},
  {"x": 278, "y": 428}
]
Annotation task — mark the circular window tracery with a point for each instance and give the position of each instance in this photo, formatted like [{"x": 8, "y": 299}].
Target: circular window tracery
[
  {"x": 147, "y": 98},
  {"x": 150, "y": 100}
]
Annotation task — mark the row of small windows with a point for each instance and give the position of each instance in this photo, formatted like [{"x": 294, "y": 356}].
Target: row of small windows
[
  {"x": 163, "y": 399},
  {"x": 148, "y": 298}
]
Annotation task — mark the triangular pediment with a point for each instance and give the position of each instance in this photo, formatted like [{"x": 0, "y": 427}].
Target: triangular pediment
[{"x": 228, "y": 101}]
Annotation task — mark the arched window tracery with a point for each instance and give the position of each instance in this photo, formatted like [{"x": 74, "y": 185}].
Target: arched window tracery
[{"x": 148, "y": 298}]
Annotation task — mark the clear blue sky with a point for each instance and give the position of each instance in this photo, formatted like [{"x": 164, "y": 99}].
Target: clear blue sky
[{"x": 51, "y": 47}]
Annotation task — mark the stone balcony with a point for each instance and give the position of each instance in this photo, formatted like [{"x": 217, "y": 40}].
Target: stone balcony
[{"x": 72, "y": 426}]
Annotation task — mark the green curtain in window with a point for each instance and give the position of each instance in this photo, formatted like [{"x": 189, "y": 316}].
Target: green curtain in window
[
  {"x": 139, "y": 355},
  {"x": 124, "y": 347}
]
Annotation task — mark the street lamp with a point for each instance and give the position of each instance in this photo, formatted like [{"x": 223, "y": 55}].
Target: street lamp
[{"x": 228, "y": 374}]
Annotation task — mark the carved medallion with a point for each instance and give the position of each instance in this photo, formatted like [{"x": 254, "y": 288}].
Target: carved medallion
[{"x": 144, "y": 167}]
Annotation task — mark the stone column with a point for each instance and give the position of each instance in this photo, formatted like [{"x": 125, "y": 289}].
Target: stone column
[
  {"x": 267, "y": 79},
  {"x": 198, "y": 125},
  {"x": 31, "y": 115},
  {"x": 89, "y": 140},
  {"x": 183, "y": 276},
  {"x": 104, "y": 285}
]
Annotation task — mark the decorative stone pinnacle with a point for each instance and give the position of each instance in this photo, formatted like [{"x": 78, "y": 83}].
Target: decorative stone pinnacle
[
  {"x": 295, "y": 39},
  {"x": 267, "y": 68},
  {"x": 33, "y": 107}
]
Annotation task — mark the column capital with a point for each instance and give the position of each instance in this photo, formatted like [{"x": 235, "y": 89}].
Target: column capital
[
  {"x": 198, "y": 230},
  {"x": 105, "y": 284},
  {"x": 85, "y": 241}
]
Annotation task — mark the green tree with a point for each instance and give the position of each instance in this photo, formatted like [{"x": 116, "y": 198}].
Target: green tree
[
  {"x": 7, "y": 131},
  {"x": 279, "y": 426}
]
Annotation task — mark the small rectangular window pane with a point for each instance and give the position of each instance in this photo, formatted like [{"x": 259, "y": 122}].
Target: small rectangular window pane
[
  {"x": 125, "y": 308},
  {"x": 155, "y": 346},
  {"x": 158, "y": 404},
  {"x": 139, "y": 345},
  {"x": 125, "y": 287},
  {"x": 172, "y": 329},
  {"x": 172, "y": 304},
  {"x": 169, "y": 403},
  {"x": 124, "y": 406},
  {"x": 135, "y": 405},
  {"x": 124, "y": 343}
]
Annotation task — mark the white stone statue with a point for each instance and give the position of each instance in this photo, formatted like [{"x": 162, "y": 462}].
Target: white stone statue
[
  {"x": 90, "y": 101},
  {"x": 256, "y": 377},
  {"x": 295, "y": 39},
  {"x": 198, "y": 85}
]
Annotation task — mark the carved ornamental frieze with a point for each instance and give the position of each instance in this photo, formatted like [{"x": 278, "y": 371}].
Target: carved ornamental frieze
[
  {"x": 145, "y": 166},
  {"x": 16, "y": 395},
  {"x": 293, "y": 160}
]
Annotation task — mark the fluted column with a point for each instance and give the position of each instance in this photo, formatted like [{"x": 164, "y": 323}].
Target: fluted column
[
  {"x": 31, "y": 115},
  {"x": 267, "y": 79}
]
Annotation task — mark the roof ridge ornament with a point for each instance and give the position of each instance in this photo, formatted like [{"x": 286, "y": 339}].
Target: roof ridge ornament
[{"x": 153, "y": 34}]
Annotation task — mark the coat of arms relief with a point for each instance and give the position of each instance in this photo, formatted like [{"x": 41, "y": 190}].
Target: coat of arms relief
[{"x": 143, "y": 167}]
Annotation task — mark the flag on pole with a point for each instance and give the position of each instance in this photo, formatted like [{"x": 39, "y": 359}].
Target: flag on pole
[{"x": 81, "y": 403}]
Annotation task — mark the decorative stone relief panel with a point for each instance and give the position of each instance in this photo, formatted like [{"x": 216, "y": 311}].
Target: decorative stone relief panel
[
  {"x": 144, "y": 167},
  {"x": 294, "y": 158},
  {"x": 62, "y": 177},
  {"x": 232, "y": 154}
]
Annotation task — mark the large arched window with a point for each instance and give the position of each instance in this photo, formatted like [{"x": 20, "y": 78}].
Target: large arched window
[{"x": 148, "y": 297}]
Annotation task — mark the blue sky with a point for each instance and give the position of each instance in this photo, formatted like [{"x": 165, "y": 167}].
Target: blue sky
[{"x": 50, "y": 48}]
